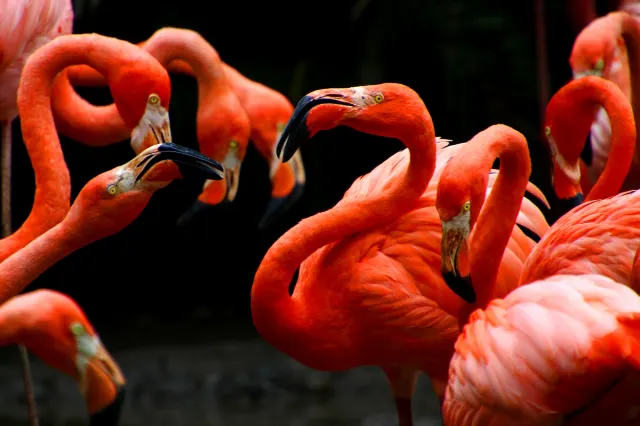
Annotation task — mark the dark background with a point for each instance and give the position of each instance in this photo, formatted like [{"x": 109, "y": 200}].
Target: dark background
[{"x": 473, "y": 63}]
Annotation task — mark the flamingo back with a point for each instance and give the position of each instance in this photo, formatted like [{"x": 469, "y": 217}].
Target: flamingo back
[
  {"x": 599, "y": 237},
  {"x": 24, "y": 27},
  {"x": 546, "y": 350}
]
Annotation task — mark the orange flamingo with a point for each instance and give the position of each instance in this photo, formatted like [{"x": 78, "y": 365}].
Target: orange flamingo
[
  {"x": 267, "y": 110},
  {"x": 608, "y": 47},
  {"x": 141, "y": 88},
  {"x": 107, "y": 204},
  {"x": 24, "y": 27},
  {"x": 53, "y": 327},
  {"x": 369, "y": 290},
  {"x": 569, "y": 115},
  {"x": 562, "y": 350},
  {"x": 482, "y": 248},
  {"x": 223, "y": 127}
]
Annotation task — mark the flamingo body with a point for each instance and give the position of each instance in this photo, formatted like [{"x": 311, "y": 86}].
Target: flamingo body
[
  {"x": 598, "y": 237},
  {"x": 25, "y": 26},
  {"x": 550, "y": 353}
]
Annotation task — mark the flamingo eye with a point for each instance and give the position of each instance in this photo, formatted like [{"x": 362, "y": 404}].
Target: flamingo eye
[
  {"x": 547, "y": 131},
  {"x": 599, "y": 64},
  {"x": 378, "y": 98},
  {"x": 233, "y": 144},
  {"x": 466, "y": 206},
  {"x": 154, "y": 99},
  {"x": 77, "y": 329},
  {"x": 112, "y": 189}
]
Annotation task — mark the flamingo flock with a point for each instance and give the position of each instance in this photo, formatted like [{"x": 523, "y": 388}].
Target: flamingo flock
[{"x": 435, "y": 262}]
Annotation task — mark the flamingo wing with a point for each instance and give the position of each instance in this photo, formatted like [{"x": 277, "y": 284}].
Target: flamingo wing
[
  {"x": 600, "y": 237},
  {"x": 546, "y": 352}
]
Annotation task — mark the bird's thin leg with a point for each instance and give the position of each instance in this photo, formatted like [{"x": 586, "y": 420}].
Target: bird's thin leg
[
  {"x": 5, "y": 128},
  {"x": 403, "y": 382}
]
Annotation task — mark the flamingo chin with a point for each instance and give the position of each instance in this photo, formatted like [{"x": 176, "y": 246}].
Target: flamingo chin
[{"x": 110, "y": 415}]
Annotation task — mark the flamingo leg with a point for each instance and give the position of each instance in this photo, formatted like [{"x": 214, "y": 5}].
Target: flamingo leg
[
  {"x": 403, "y": 382},
  {"x": 5, "y": 129}
]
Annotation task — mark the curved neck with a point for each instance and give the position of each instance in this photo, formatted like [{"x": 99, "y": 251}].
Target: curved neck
[
  {"x": 630, "y": 30},
  {"x": 593, "y": 91},
  {"x": 274, "y": 312},
  {"x": 23, "y": 267},
  {"x": 53, "y": 183},
  {"x": 170, "y": 44},
  {"x": 498, "y": 214}
]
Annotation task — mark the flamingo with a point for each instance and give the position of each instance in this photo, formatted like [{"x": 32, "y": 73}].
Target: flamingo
[
  {"x": 140, "y": 87},
  {"x": 609, "y": 47},
  {"x": 107, "y": 204},
  {"x": 25, "y": 26},
  {"x": 266, "y": 109},
  {"x": 369, "y": 290},
  {"x": 568, "y": 117},
  {"x": 480, "y": 240},
  {"x": 560, "y": 350},
  {"x": 52, "y": 326}
]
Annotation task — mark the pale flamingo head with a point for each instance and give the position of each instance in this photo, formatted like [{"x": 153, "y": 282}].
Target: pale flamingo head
[
  {"x": 54, "y": 328},
  {"x": 369, "y": 109}
]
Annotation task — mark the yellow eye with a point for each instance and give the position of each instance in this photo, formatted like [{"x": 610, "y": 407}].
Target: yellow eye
[
  {"x": 280, "y": 127},
  {"x": 466, "y": 206},
  {"x": 154, "y": 99},
  {"x": 112, "y": 189},
  {"x": 77, "y": 329},
  {"x": 378, "y": 98},
  {"x": 600, "y": 64},
  {"x": 233, "y": 144},
  {"x": 547, "y": 131}
]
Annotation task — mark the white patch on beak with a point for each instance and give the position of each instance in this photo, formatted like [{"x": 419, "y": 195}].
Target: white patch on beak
[
  {"x": 275, "y": 161},
  {"x": 87, "y": 347},
  {"x": 155, "y": 123}
]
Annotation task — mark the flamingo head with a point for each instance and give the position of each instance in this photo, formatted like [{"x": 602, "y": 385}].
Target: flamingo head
[
  {"x": 369, "y": 109},
  {"x": 594, "y": 48},
  {"x": 223, "y": 134},
  {"x": 54, "y": 328},
  {"x": 111, "y": 201},
  {"x": 141, "y": 95}
]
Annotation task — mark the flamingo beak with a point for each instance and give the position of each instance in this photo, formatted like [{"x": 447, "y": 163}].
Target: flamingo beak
[
  {"x": 455, "y": 242},
  {"x": 187, "y": 159},
  {"x": 154, "y": 128},
  {"x": 295, "y": 132}
]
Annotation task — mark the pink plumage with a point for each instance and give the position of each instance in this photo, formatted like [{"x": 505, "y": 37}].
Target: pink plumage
[
  {"x": 26, "y": 25},
  {"x": 557, "y": 351}
]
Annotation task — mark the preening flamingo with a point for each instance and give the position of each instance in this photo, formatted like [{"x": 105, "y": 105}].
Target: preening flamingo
[
  {"x": 568, "y": 118},
  {"x": 369, "y": 290},
  {"x": 25, "y": 26},
  {"x": 141, "y": 90},
  {"x": 267, "y": 110},
  {"x": 106, "y": 205},
  {"x": 483, "y": 251},
  {"x": 562, "y": 350},
  {"x": 609, "y": 47},
  {"x": 54, "y": 328}
]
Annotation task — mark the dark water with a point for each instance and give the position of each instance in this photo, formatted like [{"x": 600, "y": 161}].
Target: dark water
[{"x": 200, "y": 381}]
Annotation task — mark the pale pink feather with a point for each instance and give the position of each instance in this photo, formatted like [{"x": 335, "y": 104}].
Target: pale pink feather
[{"x": 26, "y": 25}]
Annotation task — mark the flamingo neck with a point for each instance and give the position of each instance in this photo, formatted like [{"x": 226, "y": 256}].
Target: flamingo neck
[
  {"x": 169, "y": 44},
  {"x": 492, "y": 230},
  {"x": 275, "y": 313},
  {"x": 53, "y": 183},
  {"x": 23, "y": 267},
  {"x": 630, "y": 31}
]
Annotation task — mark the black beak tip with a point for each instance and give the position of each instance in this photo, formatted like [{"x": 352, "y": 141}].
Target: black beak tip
[
  {"x": 110, "y": 415},
  {"x": 278, "y": 206},
  {"x": 199, "y": 212},
  {"x": 461, "y": 286}
]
